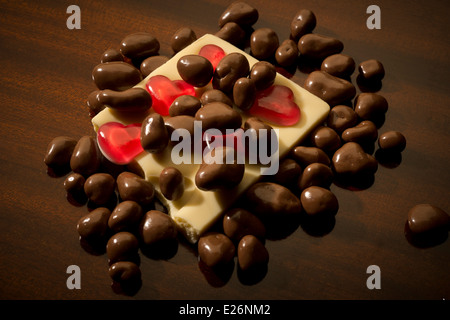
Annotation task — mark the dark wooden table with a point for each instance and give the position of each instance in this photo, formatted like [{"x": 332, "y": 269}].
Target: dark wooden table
[{"x": 46, "y": 77}]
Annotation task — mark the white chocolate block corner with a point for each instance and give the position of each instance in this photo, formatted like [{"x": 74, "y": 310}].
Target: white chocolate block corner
[{"x": 196, "y": 211}]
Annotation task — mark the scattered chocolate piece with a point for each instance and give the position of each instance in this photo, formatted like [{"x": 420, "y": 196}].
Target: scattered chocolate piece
[
  {"x": 316, "y": 174},
  {"x": 182, "y": 38},
  {"x": 239, "y": 12},
  {"x": 215, "y": 95},
  {"x": 215, "y": 249},
  {"x": 233, "y": 33},
  {"x": 325, "y": 138},
  {"x": 251, "y": 253},
  {"x": 218, "y": 174},
  {"x": 180, "y": 122},
  {"x": 392, "y": 141},
  {"x": 341, "y": 117},
  {"x": 111, "y": 55},
  {"x": 307, "y": 155},
  {"x": 154, "y": 135},
  {"x": 331, "y": 89},
  {"x": 116, "y": 75},
  {"x": 288, "y": 172},
  {"x": 339, "y": 65},
  {"x": 59, "y": 151},
  {"x": 185, "y": 105},
  {"x": 318, "y": 47},
  {"x": 423, "y": 218},
  {"x": 263, "y": 43},
  {"x": 125, "y": 216},
  {"x": 244, "y": 93},
  {"x": 156, "y": 228},
  {"x": 370, "y": 106},
  {"x": 133, "y": 187},
  {"x": 93, "y": 102},
  {"x": 263, "y": 74},
  {"x": 351, "y": 160},
  {"x": 171, "y": 183},
  {"x": 100, "y": 187},
  {"x": 130, "y": 100},
  {"x": 232, "y": 67},
  {"x": 218, "y": 115},
  {"x": 139, "y": 45},
  {"x": 86, "y": 157},
  {"x": 287, "y": 53},
  {"x": 151, "y": 64},
  {"x": 124, "y": 271},
  {"x": 364, "y": 133},
  {"x": 238, "y": 223},
  {"x": 122, "y": 246},
  {"x": 74, "y": 184},
  {"x": 319, "y": 201},
  {"x": 303, "y": 22},
  {"x": 195, "y": 70},
  {"x": 371, "y": 70},
  {"x": 94, "y": 225}
]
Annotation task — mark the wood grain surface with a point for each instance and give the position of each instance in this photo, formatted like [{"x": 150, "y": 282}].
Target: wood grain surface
[{"x": 45, "y": 74}]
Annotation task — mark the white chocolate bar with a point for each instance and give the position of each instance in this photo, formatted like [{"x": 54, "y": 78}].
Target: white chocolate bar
[{"x": 196, "y": 211}]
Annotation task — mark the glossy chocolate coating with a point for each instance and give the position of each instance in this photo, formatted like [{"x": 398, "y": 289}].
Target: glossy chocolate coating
[
  {"x": 219, "y": 174},
  {"x": 171, "y": 183},
  {"x": 325, "y": 138},
  {"x": 287, "y": 53},
  {"x": 215, "y": 95},
  {"x": 133, "y": 187},
  {"x": 217, "y": 115},
  {"x": 251, "y": 253},
  {"x": 93, "y": 102},
  {"x": 303, "y": 22},
  {"x": 339, "y": 65},
  {"x": 185, "y": 105},
  {"x": 364, "y": 132},
  {"x": 130, "y": 100},
  {"x": 151, "y": 64},
  {"x": 331, "y": 89},
  {"x": 59, "y": 151},
  {"x": 244, "y": 93},
  {"x": 99, "y": 187},
  {"x": 370, "y": 106},
  {"x": 317, "y": 47},
  {"x": 180, "y": 122},
  {"x": 392, "y": 141},
  {"x": 182, "y": 38},
  {"x": 157, "y": 227},
  {"x": 94, "y": 225},
  {"x": 122, "y": 246},
  {"x": 262, "y": 133},
  {"x": 271, "y": 201},
  {"x": 239, "y": 12},
  {"x": 124, "y": 271},
  {"x": 110, "y": 55},
  {"x": 86, "y": 157},
  {"x": 424, "y": 218},
  {"x": 125, "y": 216},
  {"x": 74, "y": 184},
  {"x": 351, "y": 160},
  {"x": 341, "y": 117},
  {"x": 233, "y": 33},
  {"x": 238, "y": 223},
  {"x": 139, "y": 45},
  {"x": 307, "y": 155},
  {"x": 232, "y": 67},
  {"x": 195, "y": 70},
  {"x": 288, "y": 172},
  {"x": 371, "y": 70},
  {"x": 263, "y": 73},
  {"x": 263, "y": 43},
  {"x": 116, "y": 75},
  {"x": 154, "y": 135},
  {"x": 215, "y": 249},
  {"x": 316, "y": 174},
  {"x": 319, "y": 201}
]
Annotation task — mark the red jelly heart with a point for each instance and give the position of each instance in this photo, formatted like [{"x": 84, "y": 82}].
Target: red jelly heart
[
  {"x": 276, "y": 105},
  {"x": 120, "y": 144},
  {"x": 213, "y": 53},
  {"x": 164, "y": 91}
]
